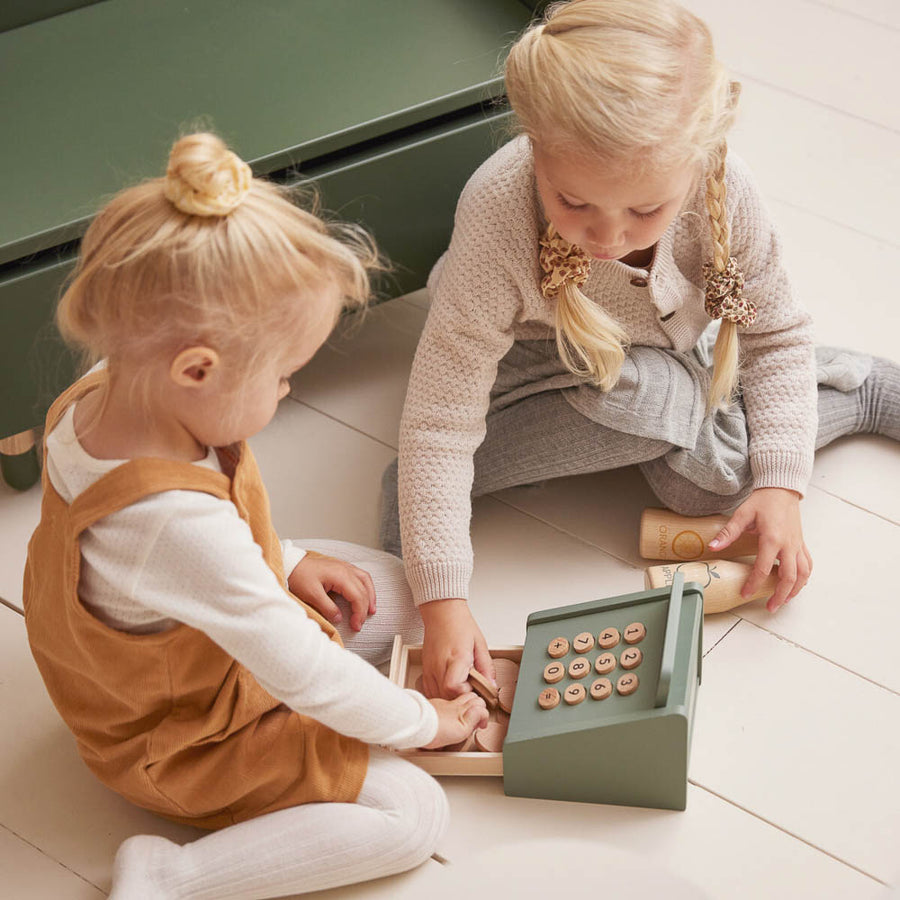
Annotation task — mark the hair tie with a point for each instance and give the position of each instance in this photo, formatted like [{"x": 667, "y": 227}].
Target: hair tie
[
  {"x": 562, "y": 262},
  {"x": 209, "y": 191},
  {"x": 724, "y": 294}
]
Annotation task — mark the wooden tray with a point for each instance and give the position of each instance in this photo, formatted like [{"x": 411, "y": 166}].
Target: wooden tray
[{"x": 406, "y": 666}]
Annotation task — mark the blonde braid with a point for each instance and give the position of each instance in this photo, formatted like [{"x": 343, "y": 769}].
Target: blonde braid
[{"x": 725, "y": 353}]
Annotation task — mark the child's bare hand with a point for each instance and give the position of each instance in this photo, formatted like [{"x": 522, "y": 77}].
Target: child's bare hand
[
  {"x": 315, "y": 576},
  {"x": 773, "y": 514},
  {"x": 453, "y": 644},
  {"x": 457, "y": 719}
]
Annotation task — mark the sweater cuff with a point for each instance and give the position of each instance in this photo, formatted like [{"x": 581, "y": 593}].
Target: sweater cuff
[
  {"x": 781, "y": 469},
  {"x": 291, "y": 554},
  {"x": 439, "y": 581},
  {"x": 428, "y": 725}
]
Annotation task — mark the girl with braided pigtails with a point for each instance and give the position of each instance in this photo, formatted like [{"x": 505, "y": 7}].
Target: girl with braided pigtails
[{"x": 614, "y": 294}]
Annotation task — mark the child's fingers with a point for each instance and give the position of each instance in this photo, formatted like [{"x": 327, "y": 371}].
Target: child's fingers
[
  {"x": 368, "y": 586},
  {"x": 475, "y": 712},
  {"x": 787, "y": 578},
  {"x": 761, "y": 568},
  {"x": 732, "y": 529},
  {"x": 804, "y": 570},
  {"x": 484, "y": 663},
  {"x": 316, "y": 597},
  {"x": 353, "y": 590},
  {"x": 456, "y": 674}
]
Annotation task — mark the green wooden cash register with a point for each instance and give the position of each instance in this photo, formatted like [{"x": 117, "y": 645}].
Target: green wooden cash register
[
  {"x": 604, "y": 705},
  {"x": 387, "y": 106}
]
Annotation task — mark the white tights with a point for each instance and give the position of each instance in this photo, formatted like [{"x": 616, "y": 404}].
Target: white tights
[{"x": 395, "y": 824}]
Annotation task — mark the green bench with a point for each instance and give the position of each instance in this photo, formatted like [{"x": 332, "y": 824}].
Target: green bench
[{"x": 386, "y": 105}]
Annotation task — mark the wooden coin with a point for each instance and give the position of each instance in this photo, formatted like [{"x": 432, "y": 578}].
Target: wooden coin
[
  {"x": 507, "y": 694},
  {"x": 466, "y": 746},
  {"x": 483, "y": 688},
  {"x": 420, "y": 684},
  {"x": 490, "y": 738},
  {"x": 507, "y": 672}
]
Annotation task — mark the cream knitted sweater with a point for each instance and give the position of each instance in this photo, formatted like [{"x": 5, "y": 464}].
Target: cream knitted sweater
[{"x": 485, "y": 294}]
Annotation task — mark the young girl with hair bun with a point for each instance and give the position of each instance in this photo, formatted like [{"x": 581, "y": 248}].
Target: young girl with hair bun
[
  {"x": 572, "y": 316},
  {"x": 200, "y": 662}
]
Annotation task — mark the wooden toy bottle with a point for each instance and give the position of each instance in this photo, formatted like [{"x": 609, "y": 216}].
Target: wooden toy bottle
[
  {"x": 721, "y": 580},
  {"x": 666, "y": 535}
]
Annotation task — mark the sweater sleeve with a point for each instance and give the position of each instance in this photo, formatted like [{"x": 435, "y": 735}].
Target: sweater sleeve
[
  {"x": 777, "y": 353},
  {"x": 475, "y": 300},
  {"x": 204, "y": 569}
]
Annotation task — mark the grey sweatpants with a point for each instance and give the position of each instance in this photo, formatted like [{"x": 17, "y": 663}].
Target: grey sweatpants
[{"x": 537, "y": 434}]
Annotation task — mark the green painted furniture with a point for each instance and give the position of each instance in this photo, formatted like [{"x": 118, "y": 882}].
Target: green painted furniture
[
  {"x": 632, "y": 749},
  {"x": 387, "y": 106}
]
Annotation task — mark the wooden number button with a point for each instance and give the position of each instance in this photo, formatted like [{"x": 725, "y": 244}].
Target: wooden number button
[
  {"x": 627, "y": 684},
  {"x": 605, "y": 663},
  {"x": 635, "y": 633},
  {"x": 601, "y": 688},
  {"x": 578, "y": 668},
  {"x": 608, "y": 638},
  {"x": 574, "y": 694},
  {"x": 558, "y": 647},
  {"x": 631, "y": 658},
  {"x": 554, "y": 672},
  {"x": 548, "y": 698},
  {"x": 583, "y": 642}
]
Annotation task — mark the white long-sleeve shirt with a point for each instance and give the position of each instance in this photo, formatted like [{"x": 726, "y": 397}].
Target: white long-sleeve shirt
[{"x": 186, "y": 556}]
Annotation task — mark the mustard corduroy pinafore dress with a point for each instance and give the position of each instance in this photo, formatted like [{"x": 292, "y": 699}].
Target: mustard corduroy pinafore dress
[{"x": 169, "y": 720}]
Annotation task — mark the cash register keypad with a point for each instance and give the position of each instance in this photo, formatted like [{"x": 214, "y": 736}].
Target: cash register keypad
[{"x": 629, "y": 660}]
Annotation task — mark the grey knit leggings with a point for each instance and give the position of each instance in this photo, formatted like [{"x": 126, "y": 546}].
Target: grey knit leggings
[{"x": 543, "y": 437}]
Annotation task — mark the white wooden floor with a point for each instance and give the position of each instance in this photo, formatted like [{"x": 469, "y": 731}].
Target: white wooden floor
[{"x": 794, "y": 771}]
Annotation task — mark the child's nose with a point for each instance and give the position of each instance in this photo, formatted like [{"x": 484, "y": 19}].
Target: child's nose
[{"x": 605, "y": 233}]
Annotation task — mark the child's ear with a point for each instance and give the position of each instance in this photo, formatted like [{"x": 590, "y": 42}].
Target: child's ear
[{"x": 195, "y": 367}]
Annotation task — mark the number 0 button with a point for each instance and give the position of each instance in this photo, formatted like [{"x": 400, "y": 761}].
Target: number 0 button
[{"x": 554, "y": 672}]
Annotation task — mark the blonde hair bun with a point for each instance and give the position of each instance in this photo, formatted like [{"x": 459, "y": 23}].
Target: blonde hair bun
[{"x": 204, "y": 178}]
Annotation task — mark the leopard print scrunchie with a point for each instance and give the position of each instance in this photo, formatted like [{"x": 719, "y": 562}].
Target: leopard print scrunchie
[
  {"x": 561, "y": 262},
  {"x": 724, "y": 294}
]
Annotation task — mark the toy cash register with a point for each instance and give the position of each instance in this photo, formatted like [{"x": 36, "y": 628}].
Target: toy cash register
[{"x": 604, "y": 704}]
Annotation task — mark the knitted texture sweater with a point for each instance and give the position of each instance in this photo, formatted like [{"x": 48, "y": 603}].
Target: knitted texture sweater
[{"x": 485, "y": 294}]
